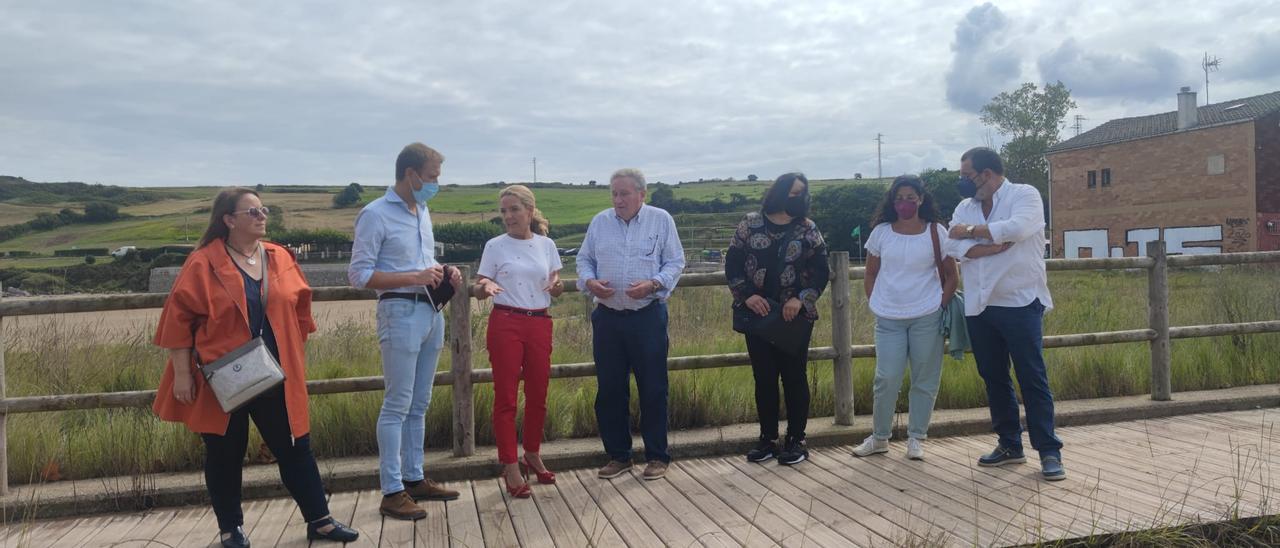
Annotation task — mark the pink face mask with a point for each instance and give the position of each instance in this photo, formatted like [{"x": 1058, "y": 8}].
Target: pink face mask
[{"x": 905, "y": 209}]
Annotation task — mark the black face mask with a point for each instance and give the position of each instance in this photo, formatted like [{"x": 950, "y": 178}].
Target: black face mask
[{"x": 797, "y": 206}]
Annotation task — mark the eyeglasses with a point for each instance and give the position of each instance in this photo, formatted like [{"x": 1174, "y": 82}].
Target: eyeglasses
[{"x": 260, "y": 212}]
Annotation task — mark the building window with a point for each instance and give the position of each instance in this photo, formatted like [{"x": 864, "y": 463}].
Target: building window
[
  {"x": 1106, "y": 177},
  {"x": 1093, "y": 179},
  {"x": 1217, "y": 164}
]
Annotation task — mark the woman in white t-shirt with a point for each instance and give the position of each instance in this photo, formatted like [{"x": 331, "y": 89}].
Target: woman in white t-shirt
[
  {"x": 521, "y": 271},
  {"x": 907, "y": 295}
]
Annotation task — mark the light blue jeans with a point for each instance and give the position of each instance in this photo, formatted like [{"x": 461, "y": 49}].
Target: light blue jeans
[
  {"x": 411, "y": 336},
  {"x": 918, "y": 341}
]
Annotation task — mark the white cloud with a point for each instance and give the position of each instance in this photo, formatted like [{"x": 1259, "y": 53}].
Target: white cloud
[{"x": 244, "y": 92}]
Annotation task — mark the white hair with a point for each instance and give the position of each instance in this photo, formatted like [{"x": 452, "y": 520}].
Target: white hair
[{"x": 637, "y": 178}]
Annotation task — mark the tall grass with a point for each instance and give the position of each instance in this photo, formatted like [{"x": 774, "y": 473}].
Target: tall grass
[{"x": 57, "y": 359}]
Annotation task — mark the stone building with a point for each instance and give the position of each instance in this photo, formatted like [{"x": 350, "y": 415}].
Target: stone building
[{"x": 1203, "y": 179}]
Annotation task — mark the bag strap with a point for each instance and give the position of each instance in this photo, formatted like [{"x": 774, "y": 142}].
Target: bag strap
[
  {"x": 937, "y": 253},
  {"x": 262, "y": 288}
]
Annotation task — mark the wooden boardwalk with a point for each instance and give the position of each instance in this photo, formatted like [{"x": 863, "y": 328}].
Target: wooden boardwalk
[{"x": 1123, "y": 476}]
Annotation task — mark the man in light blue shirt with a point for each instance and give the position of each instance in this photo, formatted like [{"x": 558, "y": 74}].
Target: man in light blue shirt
[
  {"x": 393, "y": 253},
  {"x": 630, "y": 261}
]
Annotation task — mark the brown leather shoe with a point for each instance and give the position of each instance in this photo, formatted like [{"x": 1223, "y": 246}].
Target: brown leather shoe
[
  {"x": 614, "y": 469},
  {"x": 655, "y": 470},
  {"x": 430, "y": 490},
  {"x": 400, "y": 506}
]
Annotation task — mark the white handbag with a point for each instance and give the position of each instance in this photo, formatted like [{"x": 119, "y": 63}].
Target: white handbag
[{"x": 245, "y": 373}]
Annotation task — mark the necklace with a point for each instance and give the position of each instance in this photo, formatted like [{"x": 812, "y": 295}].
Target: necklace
[{"x": 248, "y": 257}]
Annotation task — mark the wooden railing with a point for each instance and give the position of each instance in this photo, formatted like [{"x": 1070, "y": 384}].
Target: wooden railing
[{"x": 462, "y": 377}]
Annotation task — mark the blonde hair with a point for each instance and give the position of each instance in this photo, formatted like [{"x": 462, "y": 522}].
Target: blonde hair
[{"x": 538, "y": 223}]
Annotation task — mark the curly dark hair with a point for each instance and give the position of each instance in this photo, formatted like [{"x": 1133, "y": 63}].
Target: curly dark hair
[{"x": 885, "y": 212}]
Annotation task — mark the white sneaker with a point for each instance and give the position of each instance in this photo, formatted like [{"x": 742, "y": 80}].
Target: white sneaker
[
  {"x": 871, "y": 446},
  {"x": 915, "y": 449}
]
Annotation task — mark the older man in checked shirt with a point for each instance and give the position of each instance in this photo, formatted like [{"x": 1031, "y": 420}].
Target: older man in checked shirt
[{"x": 630, "y": 261}]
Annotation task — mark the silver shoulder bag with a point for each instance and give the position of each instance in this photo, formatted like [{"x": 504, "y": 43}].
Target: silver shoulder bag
[{"x": 243, "y": 374}]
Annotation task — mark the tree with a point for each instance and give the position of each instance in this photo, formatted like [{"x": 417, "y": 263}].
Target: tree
[
  {"x": 1032, "y": 119},
  {"x": 275, "y": 221},
  {"x": 752, "y": 178},
  {"x": 261, "y": 187},
  {"x": 591, "y": 182},
  {"x": 838, "y": 209},
  {"x": 662, "y": 196},
  {"x": 99, "y": 212},
  {"x": 348, "y": 197},
  {"x": 941, "y": 184}
]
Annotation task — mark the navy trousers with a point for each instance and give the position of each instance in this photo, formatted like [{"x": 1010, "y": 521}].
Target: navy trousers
[
  {"x": 626, "y": 343},
  {"x": 998, "y": 335}
]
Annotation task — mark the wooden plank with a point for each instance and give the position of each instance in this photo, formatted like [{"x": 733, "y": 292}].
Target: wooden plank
[
  {"x": 593, "y": 521},
  {"x": 1194, "y": 455},
  {"x": 116, "y": 531},
  {"x": 526, "y": 520},
  {"x": 84, "y": 529},
  {"x": 663, "y": 524},
  {"x": 46, "y": 533},
  {"x": 562, "y": 526},
  {"x": 366, "y": 519},
  {"x": 787, "y": 524},
  {"x": 1140, "y": 493},
  {"x": 181, "y": 525},
  {"x": 690, "y": 515},
  {"x": 924, "y": 518},
  {"x": 464, "y": 519},
  {"x": 1083, "y": 508},
  {"x": 742, "y": 530},
  {"x": 270, "y": 528},
  {"x": 153, "y": 522},
  {"x": 628, "y": 524},
  {"x": 494, "y": 520},
  {"x": 781, "y": 481},
  {"x": 433, "y": 530}
]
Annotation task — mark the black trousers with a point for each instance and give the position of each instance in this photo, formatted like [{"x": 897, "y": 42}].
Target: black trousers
[
  {"x": 224, "y": 461},
  {"x": 768, "y": 364}
]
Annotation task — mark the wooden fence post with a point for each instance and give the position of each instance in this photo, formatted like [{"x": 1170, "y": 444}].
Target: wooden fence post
[
  {"x": 1158, "y": 320},
  {"x": 842, "y": 337},
  {"x": 4, "y": 417},
  {"x": 464, "y": 415}
]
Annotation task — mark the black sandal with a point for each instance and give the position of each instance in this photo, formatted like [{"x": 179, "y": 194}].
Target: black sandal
[{"x": 339, "y": 533}]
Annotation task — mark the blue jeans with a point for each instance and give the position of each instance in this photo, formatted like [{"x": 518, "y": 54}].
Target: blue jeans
[
  {"x": 918, "y": 341},
  {"x": 411, "y": 336},
  {"x": 998, "y": 334},
  {"x": 625, "y": 343}
]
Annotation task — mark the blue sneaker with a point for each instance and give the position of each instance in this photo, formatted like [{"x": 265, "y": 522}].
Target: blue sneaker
[
  {"x": 1002, "y": 455},
  {"x": 1051, "y": 468}
]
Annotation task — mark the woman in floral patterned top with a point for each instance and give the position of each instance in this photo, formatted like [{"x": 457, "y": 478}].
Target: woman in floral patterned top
[{"x": 778, "y": 256}]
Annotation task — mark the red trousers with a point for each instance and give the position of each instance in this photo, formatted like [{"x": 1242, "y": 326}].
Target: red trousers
[{"x": 519, "y": 347}]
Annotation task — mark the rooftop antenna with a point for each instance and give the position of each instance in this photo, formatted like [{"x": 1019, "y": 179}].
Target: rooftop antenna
[
  {"x": 1209, "y": 65},
  {"x": 1078, "y": 125},
  {"x": 879, "y": 141}
]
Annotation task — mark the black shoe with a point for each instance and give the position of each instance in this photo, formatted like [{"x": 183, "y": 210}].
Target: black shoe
[
  {"x": 339, "y": 533},
  {"x": 235, "y": 538},
  {"x": 765, "y": 450},
  {"x": 794, "y": 451}
]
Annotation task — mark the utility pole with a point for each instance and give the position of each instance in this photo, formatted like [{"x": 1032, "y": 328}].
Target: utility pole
[
  {"x": 1209, "y": 65},
  {"x": 535, "y": 170},
  {"x": 879, "y": 169}
]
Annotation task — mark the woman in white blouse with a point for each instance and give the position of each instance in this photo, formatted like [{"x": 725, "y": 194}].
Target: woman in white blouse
[
  {"x": 907, "y": 292},
  {"x": 521, "y": 271}
]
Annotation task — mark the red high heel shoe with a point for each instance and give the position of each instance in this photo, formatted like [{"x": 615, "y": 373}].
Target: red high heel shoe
[
  {"x": 522, "y": 491},
  {"x": 545, "y": 478}
]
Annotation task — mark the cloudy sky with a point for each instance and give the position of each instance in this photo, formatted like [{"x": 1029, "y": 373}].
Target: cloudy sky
[{"x": 239, "y": 92}]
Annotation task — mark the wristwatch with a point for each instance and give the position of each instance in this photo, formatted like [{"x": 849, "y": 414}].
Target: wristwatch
[
  {"x": 657, "y": 285},
  {"x": 968, "y": 231}
]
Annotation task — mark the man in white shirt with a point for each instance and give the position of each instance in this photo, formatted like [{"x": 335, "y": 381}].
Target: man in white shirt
[{"x": 997, "y": 234}]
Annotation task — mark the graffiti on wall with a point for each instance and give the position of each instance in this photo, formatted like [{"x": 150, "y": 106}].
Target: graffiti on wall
[
  {"x": 1238, "y": 233},
  {"x": 1182, "y": 240}
]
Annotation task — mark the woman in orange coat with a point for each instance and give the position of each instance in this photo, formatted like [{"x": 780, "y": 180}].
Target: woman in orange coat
[{"x": 214, "y": 307}]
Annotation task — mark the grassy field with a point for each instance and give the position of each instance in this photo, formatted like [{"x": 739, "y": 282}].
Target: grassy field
[
  {"x": 183, "y": 214},
  {"x": 59, "y": 358}
]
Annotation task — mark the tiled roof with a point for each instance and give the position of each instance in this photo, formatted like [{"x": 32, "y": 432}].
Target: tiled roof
[{"x": 1126, "y": 129}]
